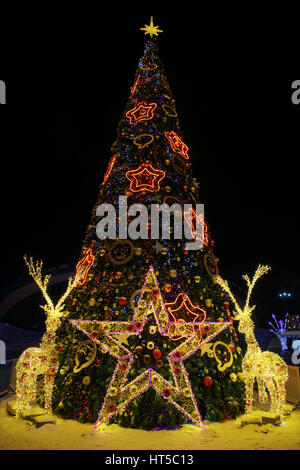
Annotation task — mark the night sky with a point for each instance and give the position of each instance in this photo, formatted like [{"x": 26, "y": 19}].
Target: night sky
[{"x": 68, "y": 78}]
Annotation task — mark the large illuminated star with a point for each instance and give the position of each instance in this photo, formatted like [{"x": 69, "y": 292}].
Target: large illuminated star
[
  {"x": 145, "y": 178},
  {"x": 151, "y": 29},
  {"x": 120, "y": 392}
]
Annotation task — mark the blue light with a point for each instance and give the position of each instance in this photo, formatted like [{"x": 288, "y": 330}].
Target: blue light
[{"x": 285, "y": 294}]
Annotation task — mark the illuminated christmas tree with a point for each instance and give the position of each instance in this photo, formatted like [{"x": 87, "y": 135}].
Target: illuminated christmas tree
[{"x": 149, "y": 339}]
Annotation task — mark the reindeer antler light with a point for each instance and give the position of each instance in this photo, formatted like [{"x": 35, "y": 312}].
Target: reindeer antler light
[{"x": 261, "y": 270}]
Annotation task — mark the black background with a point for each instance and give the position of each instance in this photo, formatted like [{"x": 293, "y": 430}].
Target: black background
[{"x": 68, "y": 75}]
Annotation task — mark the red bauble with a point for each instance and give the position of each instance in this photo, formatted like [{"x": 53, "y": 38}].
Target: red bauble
[
  {"x": 156, "y": 354},
  {"x": 122, "y": 301},
  {"x": 208, "y": 381}
]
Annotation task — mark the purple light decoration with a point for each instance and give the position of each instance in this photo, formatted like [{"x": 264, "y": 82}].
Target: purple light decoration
[
  {"x": 279, "y": 328},
  {"x": 193, "y": 343}
]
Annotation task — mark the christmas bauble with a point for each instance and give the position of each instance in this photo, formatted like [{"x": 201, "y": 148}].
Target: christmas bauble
[
  {"x": 156, "y": 354},
  {"x": 152, "y": 330},
  {"x": 147, "y": 359},
  {"x": 167, "y": 288},
  {"x": 139, "y": 349},
  {"x": 86, "y": 380},
  {"x": 208, "y": 381},
  {"x": 122, "y": 301}
]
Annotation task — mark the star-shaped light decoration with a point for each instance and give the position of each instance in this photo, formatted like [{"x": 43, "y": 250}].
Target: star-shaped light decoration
[
  {"x": 151, "y": 29},
  {"x": 183, "y": 301},
  {"x": 158, "y": 247},
  {"x": 141, "y": 112},
  {"x": 85, "y": 263},
  {"x": 193, "y": 220},
  {"x": 121, "y": 392},
  {"x": 177, "y": 144},
  {"x": 145, "y": 178}
]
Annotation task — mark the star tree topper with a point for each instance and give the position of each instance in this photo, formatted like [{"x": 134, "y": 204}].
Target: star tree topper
[
  {"x": 120, "y": 392},
  {"x": 151, "y": 29}
]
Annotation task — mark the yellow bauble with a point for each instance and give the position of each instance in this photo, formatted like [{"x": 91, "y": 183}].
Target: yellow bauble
[
  {"x": 240, "y": 376},
  {"x": 86, "y": 380}
]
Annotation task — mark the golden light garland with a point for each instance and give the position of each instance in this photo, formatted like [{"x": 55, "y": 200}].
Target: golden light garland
[
  {"x": 44, "y": 359},
  {"x": 268, "y": 368}
]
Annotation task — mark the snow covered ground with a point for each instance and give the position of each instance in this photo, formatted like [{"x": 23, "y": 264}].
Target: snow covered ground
[{"x": 18, "y": 434}]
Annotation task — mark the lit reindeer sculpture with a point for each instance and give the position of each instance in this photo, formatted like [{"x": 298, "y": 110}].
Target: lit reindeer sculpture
[
  {"x": 44, "y": 359},
  {"x": 267, "y": 368}
]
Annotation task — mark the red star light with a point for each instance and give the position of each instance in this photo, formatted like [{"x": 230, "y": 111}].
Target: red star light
[
  {"x": 141, "y": 112},
  {"x": 145, "y": 178},
  {"x": 192, "y": 220},
  {"x": 184, "y": 302},
  {"x": 85, "y": 263},
  {"x": 177, "y": 144}
]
